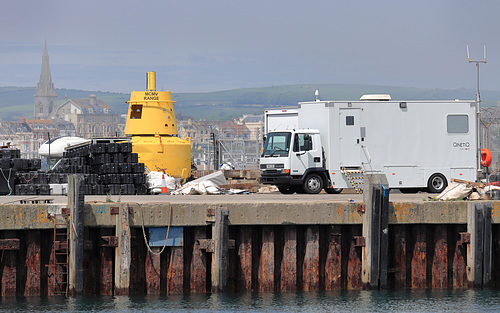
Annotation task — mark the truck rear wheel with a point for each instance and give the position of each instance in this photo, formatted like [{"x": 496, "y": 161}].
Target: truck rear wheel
[
  {"x": 409, "y": 190},
  {"x": 333, "y": 191},
  {"x": 437, "y": 183},
  {"x": 313, "y": 184}
]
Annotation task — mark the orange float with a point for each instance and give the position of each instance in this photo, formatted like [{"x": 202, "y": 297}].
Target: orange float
[{"x": 485, "y": 157}]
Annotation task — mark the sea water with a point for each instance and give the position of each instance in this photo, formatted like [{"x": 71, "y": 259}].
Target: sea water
[{"x": 342, "y": 301}]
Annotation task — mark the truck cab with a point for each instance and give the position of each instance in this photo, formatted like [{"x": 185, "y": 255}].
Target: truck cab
[{"x": 293, "y": 160}]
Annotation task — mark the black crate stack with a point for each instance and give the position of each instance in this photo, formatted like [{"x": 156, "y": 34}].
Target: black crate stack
[
  {"x": 108, "y": 168},
  {"x": 13, "y": 169}
]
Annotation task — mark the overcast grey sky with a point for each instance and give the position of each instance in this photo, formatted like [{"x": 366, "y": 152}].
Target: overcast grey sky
[{"x": 200, "y": 45}]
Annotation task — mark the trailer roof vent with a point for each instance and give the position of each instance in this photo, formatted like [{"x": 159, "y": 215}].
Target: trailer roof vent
[{"x": 375, "y": 98}]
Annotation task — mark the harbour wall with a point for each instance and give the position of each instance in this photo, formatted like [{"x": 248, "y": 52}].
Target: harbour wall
[{"x": 240, "y": 247}]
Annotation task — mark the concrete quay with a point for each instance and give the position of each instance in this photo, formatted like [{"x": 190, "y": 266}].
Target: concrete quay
[{"x": 253, "y": 209}]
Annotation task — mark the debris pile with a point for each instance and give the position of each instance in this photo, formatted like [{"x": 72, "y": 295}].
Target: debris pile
[
  {"x": 206, "y": 185},
  {"x": 466, "y": 190},
  {"x": 211, "y": 184}
]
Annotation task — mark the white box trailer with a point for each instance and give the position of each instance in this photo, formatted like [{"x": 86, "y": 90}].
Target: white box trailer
[{"x": 416, "y": 144}]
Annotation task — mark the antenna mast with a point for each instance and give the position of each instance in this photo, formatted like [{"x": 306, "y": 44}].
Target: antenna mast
[{"x": 478, "y": 107}]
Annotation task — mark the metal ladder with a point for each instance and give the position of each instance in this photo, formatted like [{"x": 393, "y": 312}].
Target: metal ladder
[
  {"x": 59, "y": 262},
  {"x": 355, "y": 178}
]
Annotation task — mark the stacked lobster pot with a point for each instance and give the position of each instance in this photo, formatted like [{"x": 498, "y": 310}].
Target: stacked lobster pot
[
  {"x": 12, "y": 169},
  {"x": 108, "y": 168}
]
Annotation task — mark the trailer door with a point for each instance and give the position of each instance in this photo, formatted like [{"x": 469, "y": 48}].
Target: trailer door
[{"x": 350, "y": 137}]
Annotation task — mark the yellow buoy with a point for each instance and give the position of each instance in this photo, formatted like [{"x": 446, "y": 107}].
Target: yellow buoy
[{"x": 152, "y": 126}]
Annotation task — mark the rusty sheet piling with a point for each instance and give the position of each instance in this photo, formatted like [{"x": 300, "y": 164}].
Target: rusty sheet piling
[
  {"x": 33, "y": 264},
  {"x": 198, "y": 279},
  {"x": 10, "y": 245},
  {"x": 333, "y": 262},
  {"x": 107, "y": 251},
  {"x": 265, "y": 275},
  {"x": 288, "y": 268},
  {"x": 430, "y": 245},
  {"x": 245, "y": 254},
  {"x": 310, "y": 272}
]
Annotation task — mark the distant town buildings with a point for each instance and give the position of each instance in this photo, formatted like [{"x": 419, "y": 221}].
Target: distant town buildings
[
  {"x": 213, "y": 143},
  {"x": 91, "y": 117},
  {"x": 28, "y": 135}
]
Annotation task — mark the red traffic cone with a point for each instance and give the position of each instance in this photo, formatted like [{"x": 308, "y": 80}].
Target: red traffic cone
[{"x": 163, "y": 184}]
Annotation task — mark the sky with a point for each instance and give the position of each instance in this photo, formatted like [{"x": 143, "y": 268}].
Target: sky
[{"x": 202, "y": 46}]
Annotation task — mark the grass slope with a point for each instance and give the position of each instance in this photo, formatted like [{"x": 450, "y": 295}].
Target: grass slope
[{"x": 227, "y": 104}]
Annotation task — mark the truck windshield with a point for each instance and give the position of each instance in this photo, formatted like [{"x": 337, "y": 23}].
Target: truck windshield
[{"x": 277, "y": 144}]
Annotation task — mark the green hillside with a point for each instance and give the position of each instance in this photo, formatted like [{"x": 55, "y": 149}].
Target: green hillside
[{"x": 227, "y": 104}]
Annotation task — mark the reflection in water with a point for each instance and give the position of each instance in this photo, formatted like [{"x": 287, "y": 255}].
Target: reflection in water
[{"x": 345, "y": 301}]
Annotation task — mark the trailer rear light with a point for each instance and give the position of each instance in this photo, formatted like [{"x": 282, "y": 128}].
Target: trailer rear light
[{"x": 287, "y": 171}]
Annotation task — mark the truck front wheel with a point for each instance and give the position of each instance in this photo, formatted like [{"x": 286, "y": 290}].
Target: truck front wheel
[
  {"x": 286, "y": 190},
  {"x": 313, "y": 184}
]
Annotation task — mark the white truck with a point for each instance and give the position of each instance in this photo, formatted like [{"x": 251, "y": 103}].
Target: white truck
[{"x": 416, "y": 144}]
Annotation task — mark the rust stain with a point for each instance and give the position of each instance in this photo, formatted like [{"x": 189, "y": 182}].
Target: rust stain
[
  {"x": 495, "y": 210},
  {"x": 354, "y": 268},
  {"x": 9, "y": 273},
  {"x": 402, "y": 211},
  {"x": 106, "y": 273},
  {"x": 17, "y": 217},
  {"x": 152, "y": 269},
  {"x": 419, "y": 260},
  {"x": 289, "y": 261},
  {"x": 459, "y": 267},
  {"x": 41, "y": 217},
  {"x": 333, "y": 269},
  {"x": 266, "y": 263},
  {"x": 198, "y": 264},
  {"x": 400, "y": 256},
  {"x": 245, "y": 256},
  {"x": 33, "y": 264},
  {"x": 311, "y": 260},
  {"x": 175, "y": 273},
  {"x": 440, "y": 260}
]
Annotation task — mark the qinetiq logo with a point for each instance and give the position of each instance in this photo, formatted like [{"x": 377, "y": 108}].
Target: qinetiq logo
[{"x": 462, "y": 145}]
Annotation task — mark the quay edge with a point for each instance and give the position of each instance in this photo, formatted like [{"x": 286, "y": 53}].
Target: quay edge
[{"x": 156, "y": 214}]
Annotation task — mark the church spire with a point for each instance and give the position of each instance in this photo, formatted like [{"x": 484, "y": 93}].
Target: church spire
[
  {"x": 45, "y": 85},
  {"x": 45, "y": 96}
]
